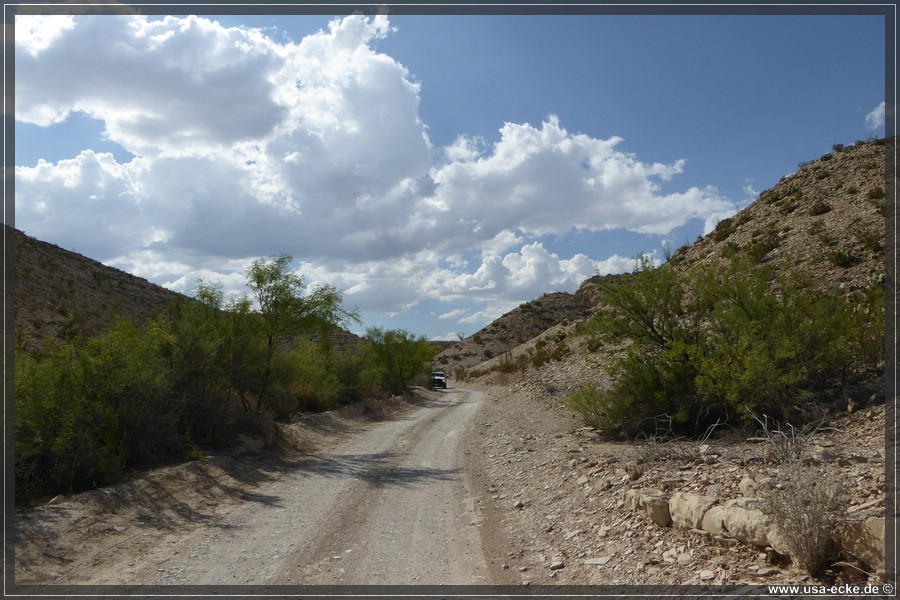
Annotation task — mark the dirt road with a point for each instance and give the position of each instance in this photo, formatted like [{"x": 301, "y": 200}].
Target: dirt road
[{"x": 389, "y": 504}]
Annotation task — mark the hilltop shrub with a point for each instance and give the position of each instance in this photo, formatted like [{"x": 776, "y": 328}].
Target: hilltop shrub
[
  {"x": 876, "y": 193},
  {"x": 819, "y": 207},
  {"x": 842, "y": 257},
  {"x": 724, "y": 228},
  {"x": 764, "y": 243}
]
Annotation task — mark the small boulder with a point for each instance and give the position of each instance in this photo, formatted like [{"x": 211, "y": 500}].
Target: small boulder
[
  {"x": 656, "y": 504},
  {"x": 687, "y": 510},
  {"x": 633, "y": 499},
  {"x": 865, "y": 540}
]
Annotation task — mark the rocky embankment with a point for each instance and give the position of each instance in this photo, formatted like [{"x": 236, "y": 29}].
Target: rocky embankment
[{"x": 579, "y": 510}]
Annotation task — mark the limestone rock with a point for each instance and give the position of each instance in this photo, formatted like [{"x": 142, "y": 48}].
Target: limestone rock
[
  {"x": 741, "y": 519},
  {"x": 687, "y": 510},
  {"x": 633, "y": 499},
  {"x": 656, "y": 504},
  {"x": 865, "y": 540}
]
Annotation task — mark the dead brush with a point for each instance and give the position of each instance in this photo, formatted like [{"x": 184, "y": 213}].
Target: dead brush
[
  {"x": 663, "y": 445},
  {"x": 787, "y": 443},
  {"x": 808, "y": 507}
]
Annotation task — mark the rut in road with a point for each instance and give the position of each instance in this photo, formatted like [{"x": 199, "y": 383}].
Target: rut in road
[
  {"x": 389, "y": 505},
  {"x": 410, "y": 517}
]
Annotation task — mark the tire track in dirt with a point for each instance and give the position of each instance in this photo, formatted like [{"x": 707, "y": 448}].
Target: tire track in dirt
[{"x": 389, "y": 503}]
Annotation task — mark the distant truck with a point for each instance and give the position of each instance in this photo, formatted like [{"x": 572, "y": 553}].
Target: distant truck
[{"x": 439, "y": 379}]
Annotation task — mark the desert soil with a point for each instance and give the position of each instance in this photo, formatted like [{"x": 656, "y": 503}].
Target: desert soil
[{"x": 491, "y": 484}]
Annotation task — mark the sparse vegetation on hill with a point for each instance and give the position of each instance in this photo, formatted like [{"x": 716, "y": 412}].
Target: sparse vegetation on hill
[
  {"x": 781, "y": 303},
  {"x": 59, "y": 294},
  {"x": 511, "y": 330},
  {"x": 809, "y": 253}
]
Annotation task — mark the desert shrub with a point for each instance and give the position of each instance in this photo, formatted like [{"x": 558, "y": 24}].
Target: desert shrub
[
  {"x": 508, "y": 364},
  {"x": 765, "y": 242},
  {"x": 808, "y": 508},
  {"x": 540, "y": 357},
  {"x": 741, "y": 338},
  {"x": 816, "y": 227},
  {"x": 870, "y": 240},
  {"x": 876, "y": 193},
  {"x": 594, "y": 407},
  {"x": 397, "y": 356},
  {"x": 128, "y": 368},
  {"x": 819, "y": 207},
  {"x": 842, "y": 257},
  {"x": 67, "y": 437},
  {"x": 770, "y": 338},
  {"x": 724, "y": 228},
  {"x": 306, "y": 378},
  {"x": 865, "y": 324},
  {"x": 200, "y": 373},
  {"x": 787, "y": 208}
]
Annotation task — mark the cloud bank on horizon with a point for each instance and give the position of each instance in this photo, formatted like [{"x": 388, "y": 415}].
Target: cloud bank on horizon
[{"x": 243, "y": 146}]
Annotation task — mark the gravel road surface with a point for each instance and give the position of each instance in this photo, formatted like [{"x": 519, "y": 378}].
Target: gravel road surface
[{"x": 388, "y": 504}]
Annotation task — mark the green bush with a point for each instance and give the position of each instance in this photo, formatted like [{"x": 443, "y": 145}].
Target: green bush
[
  {"x": 741, "y": 339},
  {"x": 594, "y": 407},
  {"x": 398, "y": 356},
  {"x": 842, "y": 257},
  {"x": 764, "y": 243},
  {"x": 819, "y": 207},
  {"x": 724, "y": 228},
  {"x": 145, "y": 395},
  {"x": 876, "y": 193},
  {"x": 67, "y": 437}
]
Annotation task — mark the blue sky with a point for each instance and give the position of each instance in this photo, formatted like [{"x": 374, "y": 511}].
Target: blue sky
[{"x": 438, "y": 169}]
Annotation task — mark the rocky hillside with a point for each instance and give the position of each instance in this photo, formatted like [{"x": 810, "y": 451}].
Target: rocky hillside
[
  {"x": 577, "y": 508},
  {"x": 513, "y": 329},
  {"x": 58, "y": 291},
  {"x": 826, "y": 220}
]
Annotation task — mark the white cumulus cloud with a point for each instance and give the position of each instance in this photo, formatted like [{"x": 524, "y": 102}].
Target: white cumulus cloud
[
  {"x": 246, "y": 146},
  {"x": 875, "y": 119}
]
